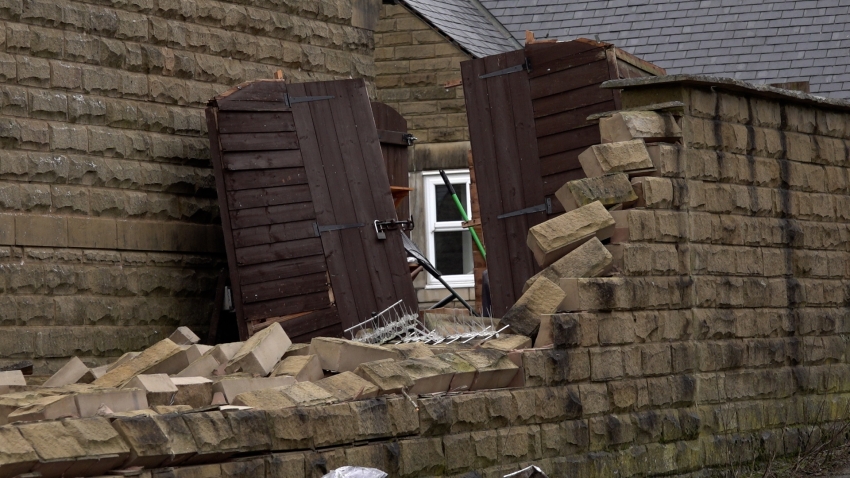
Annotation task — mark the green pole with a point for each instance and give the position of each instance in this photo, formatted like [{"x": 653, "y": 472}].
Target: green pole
[{"x": 463, "y": 214}]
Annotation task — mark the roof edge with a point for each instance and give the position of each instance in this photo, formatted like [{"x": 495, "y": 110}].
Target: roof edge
[
  {"x": 496, "y": 23},
  {"x": 730, "y": 84}
]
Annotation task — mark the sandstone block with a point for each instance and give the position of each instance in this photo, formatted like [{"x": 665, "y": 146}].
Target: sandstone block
[
  {"x": 347, "y": 386},
  {"x": 493, "y": 369},
  {"x": 609, "y": 189},
  {"x": 250, "y": 428},
  {"x": 100, "y": 441},
  {"x": 544, "y": 333},
  {"x": 656, "y": 193},
  {"x": 429, "y": 375},
  {"x": 16, "y": 454},
  {"x": 127, "y": 356},
  {"x": 195, "y": 392},
  {"x": 621, "y": 231},
  {"x": 646, "y": 125},
  {"x": 158, "y": 388},
  {"x": 298, "y": 349},
  {"x": 555, "y": 238},
  {"x": 179, "y": 361},
  {"x": 342, "y": 355},
  {"x": 298, "y": 394},
  {"x": 542, "y": 298},
  {"x": 152, "y": 356},
  {"x": 665, "y": 159},
  {"x": 184, "y": 336},
  {"x": 213, "y": 437},
  {"x": 587, "y": 260},
  {"x": 231, "y": 387},
  {"x": 149, "y": 444},
  {"x": 411, "y": 350},
  {"x": 507, "y": 343},
  {"x": 464, "y": 372},
  {"x": 303, "y": 368},
  {"x": 204, "y": 365},
  {"x": 11, "y": 379},
  {"x": 70, "y": 373},
  {"x": 626, "y": 156},
  {"x": 386, "y": 374},
  {"x": 58, "y": 451},
  {"x": 261, "y": 352},
  {"x": 89, "y": 403},
  {"x": 31, "y": 409}
]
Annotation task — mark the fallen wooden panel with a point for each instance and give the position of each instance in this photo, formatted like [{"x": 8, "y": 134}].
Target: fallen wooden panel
[
  {"x": 301, "y": 180},
  {"x": 527, "y": 113}
]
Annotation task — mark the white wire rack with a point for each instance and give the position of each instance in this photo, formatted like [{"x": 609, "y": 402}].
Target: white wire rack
[{"x": 397, "y": 323}]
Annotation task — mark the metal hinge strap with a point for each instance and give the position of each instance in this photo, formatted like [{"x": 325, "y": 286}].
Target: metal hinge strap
[
  {"x": 291, "y": 100},
  {"x": 334, "y": 227},
  {"x": 513, "y": 69},
  {"x": 546, "y": 206}
]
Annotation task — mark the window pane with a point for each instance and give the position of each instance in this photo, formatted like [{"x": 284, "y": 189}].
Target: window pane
[
  {"x": 453, "y": 252},
  {"x": 446, "y": 208}
]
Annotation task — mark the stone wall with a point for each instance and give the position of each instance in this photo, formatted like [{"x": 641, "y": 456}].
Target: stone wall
[
  {"x": 413, "y": 63},
  {"x": 108, "y": 215}
]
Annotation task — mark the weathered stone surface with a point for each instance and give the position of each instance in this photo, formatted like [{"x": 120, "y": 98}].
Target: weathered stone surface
[
  {"x": 11, "y": 379},
  {"x": 231, "y": 387},
  {"x": 30, "y": 407},
  {"x": 123, "y": 358},
  {"x": 507, "y": 343},
  {"x": 57, "y": 450},
  {"x": 609, "y": 189},
  {"x": 16, "y": 454},
  {"x": 542, "y": 298},
  {"x": 180, "y": 360},
  {"x": 646, "y": 125},
  {"x": 89, "y": 403},
  {"x": 555, "y": 238},
  {"x": 158, "y": 388},
  {"x": 347, "y": 386},
  {"x": 298, "y": 394},
  {"x": 342, "y": 355},
  {"x": 196, "y": 392},
  {"x": 429, "y": 374},
  {"x": 71, "y": 372},
  {"x": 122, "y": 373},
  {"x": 261, "y": 352},
  {"x": 656, "y": 193},
  {"x": 303, "y": 368},
  {"x": 586, "y": 260},
  {"x": 250, "y": 429},
  {"x": 213, "y": 436},
  {"x": 184, "y": 336},
  {"x": 100, "y": 441},
  {"x": 625, "y": 156},
  {"x": 411, "y": 350},
  {"x": 386, "y": 374},
  {"x": 493, "y": 368},
  {"x": 464, "y": 372}
]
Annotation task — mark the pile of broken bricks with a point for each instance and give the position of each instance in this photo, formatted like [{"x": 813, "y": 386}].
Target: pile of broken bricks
[
  {"x": 587, "y": 240},
  {"x": 85, "y": 422}
]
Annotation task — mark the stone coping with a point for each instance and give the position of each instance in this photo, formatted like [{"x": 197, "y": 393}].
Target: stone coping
[{"x": 731, "y": 84}]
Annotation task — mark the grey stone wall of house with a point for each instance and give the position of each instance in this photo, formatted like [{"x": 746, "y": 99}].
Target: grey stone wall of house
[{"x": 109, "y": 234}]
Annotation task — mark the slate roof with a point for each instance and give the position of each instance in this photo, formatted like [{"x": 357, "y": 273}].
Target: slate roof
[
  {"x": 466, "y": 22},
  {"x": 759, "y": 41}
]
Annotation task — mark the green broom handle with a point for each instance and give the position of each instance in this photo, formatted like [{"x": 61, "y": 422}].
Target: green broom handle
[{"x": 463, "y": 214}]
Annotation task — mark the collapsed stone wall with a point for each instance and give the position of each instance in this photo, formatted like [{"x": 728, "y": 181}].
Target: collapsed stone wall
[{"x": 109, "y": 233}]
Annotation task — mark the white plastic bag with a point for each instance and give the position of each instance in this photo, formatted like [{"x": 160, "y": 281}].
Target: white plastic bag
[{"x": 356, "y": 472}]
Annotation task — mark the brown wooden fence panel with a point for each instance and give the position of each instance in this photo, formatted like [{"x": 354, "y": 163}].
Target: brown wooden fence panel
[
  {"x": 527, "y": 129},
  {"x": 282, "y": 173},
  {"x": 392, "y": 131}
]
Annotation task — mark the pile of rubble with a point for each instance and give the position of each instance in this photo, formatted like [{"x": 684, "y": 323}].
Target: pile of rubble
[
  {"x": 587, "y": 240},
  {"x": 114, "y": 407}
]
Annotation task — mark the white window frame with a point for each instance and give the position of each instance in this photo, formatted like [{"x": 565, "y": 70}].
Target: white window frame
[{"x": 431, "y": 179}]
